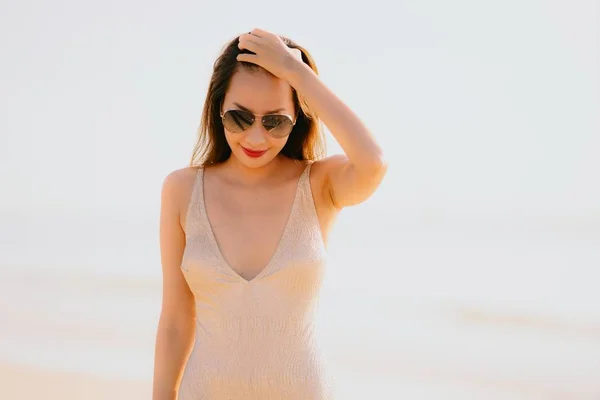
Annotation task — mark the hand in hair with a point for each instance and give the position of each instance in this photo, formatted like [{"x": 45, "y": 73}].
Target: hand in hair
[{"x": 270, "y": 52}]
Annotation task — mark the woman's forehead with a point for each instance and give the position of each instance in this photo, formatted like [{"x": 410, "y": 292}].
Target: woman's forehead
[{"x": 259, "y": 93}]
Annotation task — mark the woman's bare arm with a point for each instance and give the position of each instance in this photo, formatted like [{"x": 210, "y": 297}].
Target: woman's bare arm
[
  {"x": 176, "y": 326},
  {"x": 350, "y": 178}
]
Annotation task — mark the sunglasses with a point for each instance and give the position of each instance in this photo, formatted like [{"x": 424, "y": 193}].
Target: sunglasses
[{"x": 277, "y": 125}]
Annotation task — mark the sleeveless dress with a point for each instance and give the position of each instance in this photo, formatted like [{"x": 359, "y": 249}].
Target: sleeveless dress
[{"x": 255, "y": 339}]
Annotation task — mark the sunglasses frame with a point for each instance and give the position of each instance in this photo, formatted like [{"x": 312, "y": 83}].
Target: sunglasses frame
[{"x": 255, "y": 116}]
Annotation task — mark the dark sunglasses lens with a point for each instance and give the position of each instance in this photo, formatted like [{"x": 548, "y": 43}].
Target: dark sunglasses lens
[
  {"x": 277, "y": 125},
  {"x": 237, "y": 121}
]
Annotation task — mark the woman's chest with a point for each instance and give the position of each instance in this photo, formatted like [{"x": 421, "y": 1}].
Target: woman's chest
[{"x": 249, "y": 230}]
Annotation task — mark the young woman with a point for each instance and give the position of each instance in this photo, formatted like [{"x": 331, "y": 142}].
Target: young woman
[{"x": 243, "y": 230}]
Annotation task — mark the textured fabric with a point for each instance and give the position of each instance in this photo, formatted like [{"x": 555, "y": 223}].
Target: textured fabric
[{"x": 255, "y": 338}]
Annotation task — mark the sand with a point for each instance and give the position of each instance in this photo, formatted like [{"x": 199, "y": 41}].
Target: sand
[{"x": 19, "y": 382}]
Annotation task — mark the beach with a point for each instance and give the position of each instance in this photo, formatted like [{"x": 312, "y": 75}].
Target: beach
[
  {"x": 472, "y": 273},
  {"x": 455, "y": 312},
  {"x": 19, "y": 382}
]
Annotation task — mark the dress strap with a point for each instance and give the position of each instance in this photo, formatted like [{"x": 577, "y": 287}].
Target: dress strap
[
  {"x": 304, "y": 178},
  {"x": 307, "y": 204},
  {"x": 195, "y": 204},
  {"x": 308, "y": 220}
]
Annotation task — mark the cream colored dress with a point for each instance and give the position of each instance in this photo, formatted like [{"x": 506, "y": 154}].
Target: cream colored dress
[{"x": 255, "y": 339}]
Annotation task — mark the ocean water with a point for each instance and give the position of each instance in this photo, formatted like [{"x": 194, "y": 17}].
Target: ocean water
[{"x": 422, "y": 308}]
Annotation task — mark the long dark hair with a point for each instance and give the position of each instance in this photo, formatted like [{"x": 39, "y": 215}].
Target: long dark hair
[{"x": 306, "y": 141}]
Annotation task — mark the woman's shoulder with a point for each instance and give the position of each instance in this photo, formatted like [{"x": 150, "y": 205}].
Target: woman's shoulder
[
  {"x": 178, "y": 186},
  {"x": 181, "y": 178}
]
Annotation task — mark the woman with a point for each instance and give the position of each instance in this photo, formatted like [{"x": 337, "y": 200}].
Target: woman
[{"x": 243, "y": 229}]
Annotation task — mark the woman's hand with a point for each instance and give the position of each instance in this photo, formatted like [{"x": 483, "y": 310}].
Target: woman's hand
[{"x": 270, "y": 52}]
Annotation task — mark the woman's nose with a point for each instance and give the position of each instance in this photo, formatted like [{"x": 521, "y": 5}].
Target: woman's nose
[{"x": 256, "y": 135}]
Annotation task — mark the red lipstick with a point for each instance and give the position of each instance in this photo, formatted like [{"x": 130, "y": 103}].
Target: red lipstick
[{"x": 253, "y": 153}]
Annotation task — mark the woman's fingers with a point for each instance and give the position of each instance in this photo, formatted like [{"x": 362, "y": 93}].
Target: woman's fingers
[
  {"x": 259, "y": 32},
  {"x": 247, "y": 43}
]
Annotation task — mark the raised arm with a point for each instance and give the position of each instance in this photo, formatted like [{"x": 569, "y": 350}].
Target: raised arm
[
  {"x": 352, "y": 177},
  {"x": 176, "y": 326},
  {"x": 347, "y": 179}
]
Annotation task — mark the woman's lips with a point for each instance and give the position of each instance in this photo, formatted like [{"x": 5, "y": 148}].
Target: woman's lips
[{"x": 253, "y": 153}]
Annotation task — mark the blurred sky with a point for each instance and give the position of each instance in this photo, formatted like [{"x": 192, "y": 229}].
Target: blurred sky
[{"x": 484, "y": 108}]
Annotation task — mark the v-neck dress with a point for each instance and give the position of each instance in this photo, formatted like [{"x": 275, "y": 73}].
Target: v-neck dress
[{"x": 255, "y": 339}]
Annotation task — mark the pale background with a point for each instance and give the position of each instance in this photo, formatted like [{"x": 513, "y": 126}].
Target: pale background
[{"x": 472, "y": 274}]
